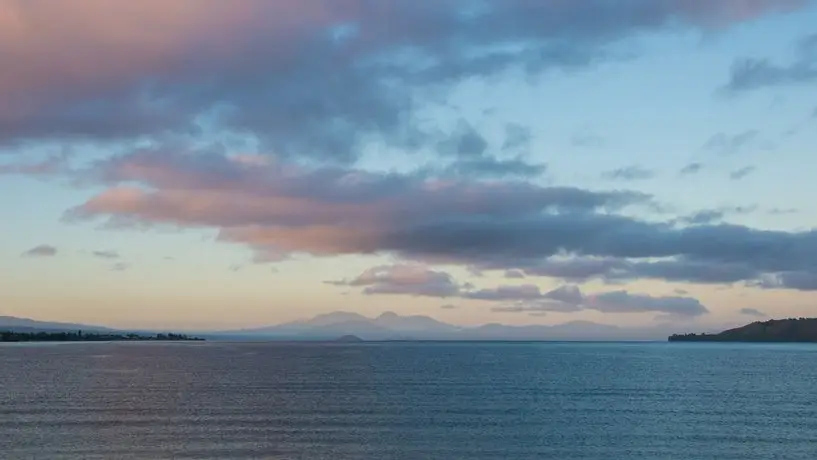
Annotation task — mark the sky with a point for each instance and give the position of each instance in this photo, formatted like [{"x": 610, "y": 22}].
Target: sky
[{"x": 209, "y": 164}]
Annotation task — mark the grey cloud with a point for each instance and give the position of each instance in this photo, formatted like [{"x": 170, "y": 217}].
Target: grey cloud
[
  {"x": 739, "y": 174},
  {"x": 514, "y": 274},
  {"x": 107, "y": 254},
  {"x": 606, "y": 236},
  {"x": 753, "y": 312},
  {"x": 630, "y": 173},
  {"x": 50, "y": 166},
  {"x": 798, "y": 280},
  {"x": 43, "y": 250},
  {"x": 624, "y": 302},
  {"x": 505, "y": 293},
  {"x": 517, "y": 137},
  {"x": 588, "y": 139},
  {"x": 465, "y": 142},
  {"x": 417, "y": 280},
  {"x": 709, "y": 216},
  {"x": 751, "y": 73},
  {"x": 617, "y": 270},
  {"x": 690, "y": 169},
  {"x": 120, "y": 267},
  {"x": 283, "y": 74},
  {"x": 570, "y": 298},
  {"x": 495, "y": 168},
  {"x": 568, "y": 294},
  {"x": 471, "y": 157},
  {"x": 404, "y": 279},
  {"x": 781, "y": 211},
  {"x": 706, "y": 216},
  {"x": 537, "y": 307},
  {"x": 729, "y": 144}
]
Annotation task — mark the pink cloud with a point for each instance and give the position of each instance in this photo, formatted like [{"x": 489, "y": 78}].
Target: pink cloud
[
  {"x": 278, "y": 208},
  {"x": 112, "y": 69}
]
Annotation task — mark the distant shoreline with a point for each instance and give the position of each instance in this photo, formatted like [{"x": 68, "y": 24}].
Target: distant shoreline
[
  {"x": 79, "y": 336},
  {"x": 792, "y": 330}
]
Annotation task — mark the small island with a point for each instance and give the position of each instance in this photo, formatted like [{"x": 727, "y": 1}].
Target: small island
[
  {"x": 79, "y": 336},
  {"x": 349, "y": 339},
  {"x": 775, "y": 330}
]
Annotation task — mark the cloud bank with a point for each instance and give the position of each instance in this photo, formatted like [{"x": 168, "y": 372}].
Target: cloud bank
[
  {"x": 278, "y": 209},
  {"x": 308, "y": 78}
]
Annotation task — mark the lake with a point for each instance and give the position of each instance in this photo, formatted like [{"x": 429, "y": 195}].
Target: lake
[{"x": 411, "y": 401}]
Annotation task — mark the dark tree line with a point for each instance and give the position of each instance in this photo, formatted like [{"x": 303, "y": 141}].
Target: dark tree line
[{"x": 79, "y": 336}]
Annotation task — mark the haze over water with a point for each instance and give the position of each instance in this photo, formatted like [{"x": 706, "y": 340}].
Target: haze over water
[{"x": 475, "y": 401}]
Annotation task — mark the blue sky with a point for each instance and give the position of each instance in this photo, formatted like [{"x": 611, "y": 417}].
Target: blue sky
[{"x": 239, "y": 169}]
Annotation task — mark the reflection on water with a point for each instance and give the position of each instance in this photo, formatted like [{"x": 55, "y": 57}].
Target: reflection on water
[{"x": 408, "y": 401}]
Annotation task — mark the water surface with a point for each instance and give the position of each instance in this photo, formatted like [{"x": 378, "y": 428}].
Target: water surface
[{"x": 474, "y": 401}]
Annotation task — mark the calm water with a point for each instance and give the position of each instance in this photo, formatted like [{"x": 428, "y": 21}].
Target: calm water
[{"x": 408, "y": 401}]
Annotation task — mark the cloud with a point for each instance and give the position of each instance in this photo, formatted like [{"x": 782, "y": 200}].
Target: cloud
[
  {"x": 798, "y": 280},
  {"x": 120, "y": 267},
  {"x": 518, "y": 137},
  {"x": 752, "y": 73},
  {"x": 624, "y": 302},
  {"x": 419, "y": 280},
  {"x": 569, "y": 298},
  {"x": 404, "y": 279},
  {"x": 50, "y": 166},
  {"x": 505, "y": 293},
  {"x": 492, "y": 167},
  {"x": 753, "y": 312},
  {"x": 630, "y": 173},
  {"x": 730, "y": 144},
  {"x": 278, "y": 208},
  {"x": 690, "y": 169},
  {"x": 43, "y": 250},
  {"x": 308, "y": 78},
  {"x": 588, "y": 139},
  {"x": 514, "y": 274},
  {"x": 739, "y": 174},
  {"x": 106, "y": 254},
  {"x": 619, "y": 270},
  {"x": 709, "y": 216}
]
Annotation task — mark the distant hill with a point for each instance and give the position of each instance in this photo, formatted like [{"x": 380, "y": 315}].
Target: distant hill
[
  {"x": 11, "y": 323},
  {"x": 776, "y": 330}
]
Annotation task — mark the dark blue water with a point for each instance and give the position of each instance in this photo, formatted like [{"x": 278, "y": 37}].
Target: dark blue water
[{"x": 408, "y": 401}]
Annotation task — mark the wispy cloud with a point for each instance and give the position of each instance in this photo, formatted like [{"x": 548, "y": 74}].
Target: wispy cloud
[
  {"x": 43, "y": 250},
  {"x": 753, "y": 73},
  {"x": 690, "y": 169},
  {"x": 741, "y": 173},
  {"x": 753, "y": 312},
  {"x": 120, "y": 267},
  {"x": 106, "y": 254},
  {"x": 730, "y": 144},
  {"x": 629, "y": 173}
]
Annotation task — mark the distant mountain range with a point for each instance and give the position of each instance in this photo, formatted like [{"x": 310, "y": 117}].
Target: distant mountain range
[
  {"x": 387, "y": 326},
  {"x": 391, "y": 326}
]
